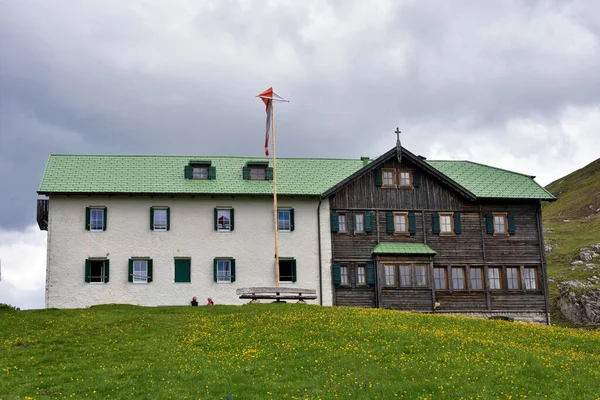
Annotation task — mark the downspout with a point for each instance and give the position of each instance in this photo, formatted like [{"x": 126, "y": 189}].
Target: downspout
[{"x": 320, "y": 263}]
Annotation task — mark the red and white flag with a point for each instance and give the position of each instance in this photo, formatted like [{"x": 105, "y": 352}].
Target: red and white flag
[{"x": 268, "y": 97}]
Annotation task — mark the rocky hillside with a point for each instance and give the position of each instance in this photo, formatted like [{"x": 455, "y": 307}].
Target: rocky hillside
[{"x": 572, "y": 236}]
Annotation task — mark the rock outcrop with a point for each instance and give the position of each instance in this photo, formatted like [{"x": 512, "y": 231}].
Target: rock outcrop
[{"x": 580, "y": 307}]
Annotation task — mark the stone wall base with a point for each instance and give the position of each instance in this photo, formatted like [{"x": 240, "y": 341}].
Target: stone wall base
[{"x": 530, "y": 317}]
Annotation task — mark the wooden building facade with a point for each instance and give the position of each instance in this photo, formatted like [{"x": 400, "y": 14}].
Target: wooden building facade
[{"x": 439, "y": 236}]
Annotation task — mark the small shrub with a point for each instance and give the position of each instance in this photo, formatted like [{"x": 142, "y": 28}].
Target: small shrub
[{"x": 7, "y": 307}]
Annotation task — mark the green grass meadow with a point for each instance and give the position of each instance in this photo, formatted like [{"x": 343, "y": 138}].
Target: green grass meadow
[{"x": 288, "y": 351}]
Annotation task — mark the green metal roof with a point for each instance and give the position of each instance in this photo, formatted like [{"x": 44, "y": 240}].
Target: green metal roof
[
  {"x": 403, "y": 248},
  {"x": 491, "y": 182},
  {"x": 165, "y": 174}
]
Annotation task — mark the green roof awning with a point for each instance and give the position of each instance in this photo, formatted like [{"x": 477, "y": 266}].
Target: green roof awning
[{"x": 403, "y": 248}]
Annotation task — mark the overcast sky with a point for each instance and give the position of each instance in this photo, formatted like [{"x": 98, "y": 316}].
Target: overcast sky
[{"x": 514, "y": 84}]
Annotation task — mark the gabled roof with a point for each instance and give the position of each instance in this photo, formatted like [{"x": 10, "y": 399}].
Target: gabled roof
[
  {"x": 485, "y": 181},
  {"x": 102, "y": 174},
  {"x": 472, "y": 180},
  {"x": 403, "y": 248}
]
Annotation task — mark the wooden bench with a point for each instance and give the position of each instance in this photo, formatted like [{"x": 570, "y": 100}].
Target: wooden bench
[{"x": 279, "y": 294}]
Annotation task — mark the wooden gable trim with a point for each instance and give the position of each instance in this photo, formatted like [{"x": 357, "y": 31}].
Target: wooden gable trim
[{"x": 410, "y": 156}]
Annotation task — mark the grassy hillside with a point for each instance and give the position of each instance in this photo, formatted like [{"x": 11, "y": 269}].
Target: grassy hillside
[
  {"x": 288, "y": 351},
  {"x": 572, "y": 222}
]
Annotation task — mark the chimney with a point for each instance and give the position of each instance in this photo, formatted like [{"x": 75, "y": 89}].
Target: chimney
[{"x": 365, "y": 160}]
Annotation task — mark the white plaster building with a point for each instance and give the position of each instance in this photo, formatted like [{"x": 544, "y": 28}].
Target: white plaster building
[{"x": 158, "y": 230}]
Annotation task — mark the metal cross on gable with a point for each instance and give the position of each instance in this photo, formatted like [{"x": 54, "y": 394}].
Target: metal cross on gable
[{"x": 398, "y": 145}]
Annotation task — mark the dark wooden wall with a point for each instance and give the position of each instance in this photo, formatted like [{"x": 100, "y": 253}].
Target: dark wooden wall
[{"x": 474, "y": 246}]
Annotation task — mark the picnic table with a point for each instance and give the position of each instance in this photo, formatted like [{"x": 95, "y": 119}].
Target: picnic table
[{"x": 279, "y": 294}]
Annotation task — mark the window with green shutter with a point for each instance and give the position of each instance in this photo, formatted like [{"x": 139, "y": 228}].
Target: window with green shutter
[
  {"x": 200, "y": 170},
  {"x": 183, "y": 270},
  {"x": 285, "y": 220},
  {"x": 140, "y": 270},
  {"x": 287, "y": 270},
  {"x": 224, "y": 270},
  {"x": 257, "y": 171},
  {"x": 97, "y": 270},
  {"x": 223, "y": 219},
  {"x": 95, "y": 218}
]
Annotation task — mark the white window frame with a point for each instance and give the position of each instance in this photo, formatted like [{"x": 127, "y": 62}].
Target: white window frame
[
  {"x": 222, "y": 212},
  {"x": 500, "y": 223},
  {"x": 478, "y": 279},
  {"x": 162, "y": 228},
  {"x": 459, "y": 278},
  {"x": 258, "y": 173},
  {"x": 344, "y": 275},
  {"x": 95, "y": 227},
  {"x": 392, "y": 177},
  {"x": 397, "y": 225},
  {"x": 446, "y": 228},
  {"x": 102, "y": 272},
  {"x": 140, "y": 271},
  {"x": 405, "y": 275},
  {"x": 281, "y": 221},
  {"x": 530, "y": 278},
  {"x": 199, "y": 172},
  {"x": 359, "y": 223},
  {"x": 389, "y": 272},
  {"x": 420, "y": 278},
  {"x": 342, "y": 222},
  {"x": 361, "y": 275},
  {"x": 405, "y": 178},
  {"x": 437, "y": 278},
  {"x": 223, "y": 271},
  {"x": 510, "y": 278},
  {"x": 495, "y": 278}
]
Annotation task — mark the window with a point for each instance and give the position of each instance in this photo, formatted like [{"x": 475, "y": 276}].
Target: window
[
  {"x": 390, "y": 275},
  {"x": 389, "y": 177},
  {"x": 513, "y": 279},
  {"x": 359, "y": 223},
  {"x": 405, "y": 178},
  {"x": 421, "y": 275},
  {"x": 405, "y": 275},
  {"x": 224, "y": 271},
  {"x": 342, "y": 223},
  {"x": 440, "y": 278},
  {"x": 223, "y": 220},
  {"x": 285, "y": 220},
  {"x": 476, "y": 277},
  {"x": 458, "y": 278},
  {"x": 199, "y": 172},
  {"x": 159, "y": 219},
  {"x": 500, "y": 224},
  {"x": 287, "y": 270},
  {"x": 400, "y": 222},
  {"x": 140, "y": 271},
  {"x": 446, "y": 224},
  {"x": 494, "y": 278},
  {"x": 182, "y": 270},
  {"x": 258, "y": 173},
  {"x": 96, "y": 271},
  {"x": 530, "y": 277},
  {"x": 361, "y": 275},
  {"x": 344, "y": 275},
  {"x": 95, "y": 219}
]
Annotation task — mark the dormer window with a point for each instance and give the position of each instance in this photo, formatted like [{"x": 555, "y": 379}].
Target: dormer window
[
  {"x": 257, "y": 171},
  {"x": 200, "y": 170}
]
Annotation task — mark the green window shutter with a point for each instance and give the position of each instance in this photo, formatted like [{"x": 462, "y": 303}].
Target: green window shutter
[
  {"x": 457, "y": 225},
  {"x": 368, "y": 222},
  {"x": 106, "y": 270},
  {"x": 293, "y": 270},
  {"x": 416, "y": 177},
  {"x": 188, "y": 172},
  {"x": 370, "y": 274},
  {"x": 412, "y": 223},
  {"x": 489, "y": 223},
  {"x": 231, "y": 220},
  {"x": 269, "y": 173},
  {"x": 233, "y": 270},
  {"x": 292, "y": 220},
  {"x": 215, "y": 269},
  {"x": 216, "y": 216},
  {"x": 182, "y": 271},
  {"x": 87, "y": 218},
  {"x": 378, "y": 177},
  {"x": 212, "y": 173},
  {"x": 105, "y": 218},
  {"x": 334, "y": 221},
  {"x": 337, "y": 276},
  {"x": 511, "y": 223},
  {"x": 130, "y": 272},
  {"x": 168, "y": 218},
  {"x": 389, "y": 220},
  {"x": 435, "y": 226},
  {"x": 150, "y": 271},
  {"x": 246, "y": 173},
  {"x": 88, "y": 271},
  {"x": 151, "y": 218}
]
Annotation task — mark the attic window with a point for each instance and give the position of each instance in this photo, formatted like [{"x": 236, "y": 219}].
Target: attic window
[
  {"x": 258, "y": 171},
  {"x": 200, "y": 170}
]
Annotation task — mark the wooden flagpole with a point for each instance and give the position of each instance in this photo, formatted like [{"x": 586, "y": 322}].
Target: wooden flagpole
[{"x": 275, "y": 195}]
